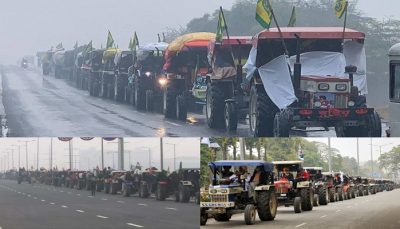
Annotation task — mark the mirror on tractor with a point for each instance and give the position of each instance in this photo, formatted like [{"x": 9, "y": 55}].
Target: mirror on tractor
[{"x": 351, "y": 69}]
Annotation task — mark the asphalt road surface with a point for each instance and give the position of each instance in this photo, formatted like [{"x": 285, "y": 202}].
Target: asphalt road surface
[
  {"x": 373, "y": 211},
  {"x": 26, "y": 206},
  {"x": 44, "y": 106}
]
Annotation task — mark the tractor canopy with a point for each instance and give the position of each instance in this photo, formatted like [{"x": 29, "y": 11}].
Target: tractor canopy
[
  {"x": 225, "y": 56},
  {"x": 322, "y": 54},
  {"x": 217, "y": 165},
  {"x": 188, "y": 52},
  {"x": 123, "y": 59},
  {"x": 150, "y": 57}
]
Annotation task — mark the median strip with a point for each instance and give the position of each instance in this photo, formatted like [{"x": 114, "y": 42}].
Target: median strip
[
  {"x": 81, "y": 211},
  {"x": 103, "y": 217},
  {"x": 63, "y": 206}
]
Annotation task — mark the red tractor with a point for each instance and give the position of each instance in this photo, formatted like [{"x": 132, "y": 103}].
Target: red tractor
[{"x": 306, "y": 77}]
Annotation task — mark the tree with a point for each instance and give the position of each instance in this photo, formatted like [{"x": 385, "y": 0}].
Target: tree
[{"x": 390, "y": 161}]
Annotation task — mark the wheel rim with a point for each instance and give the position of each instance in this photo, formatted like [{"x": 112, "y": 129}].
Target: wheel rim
[{"x": 252, "y": 115}]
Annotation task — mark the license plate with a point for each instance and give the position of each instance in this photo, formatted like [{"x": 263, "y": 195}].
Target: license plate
[{"x": 217, "y": 204}]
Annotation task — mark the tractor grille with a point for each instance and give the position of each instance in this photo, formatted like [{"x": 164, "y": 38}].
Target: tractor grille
[
  {"x": 219, "y": 198},
  {"x": 340, "y": 101}
]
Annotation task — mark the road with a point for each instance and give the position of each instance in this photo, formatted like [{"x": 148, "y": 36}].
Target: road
[
  {"x": 373, "y": 211},
  {"x": 44, "y": 106},
  {"x": 41, "y": 206}
]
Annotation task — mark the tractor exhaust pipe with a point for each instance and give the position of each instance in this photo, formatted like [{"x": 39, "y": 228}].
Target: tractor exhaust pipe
[{"x": 297, "y": 65}]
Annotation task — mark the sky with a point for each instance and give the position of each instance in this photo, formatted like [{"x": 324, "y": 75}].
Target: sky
[
  {"x": 348, "y": 146},
  {"x": 87, "y": 154},
  {"x": 27, "y": 26}
]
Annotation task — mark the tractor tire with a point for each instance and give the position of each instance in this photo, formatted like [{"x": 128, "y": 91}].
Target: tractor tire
[
  {"x": 215, "y": 101},
  {"x": 306, "y": 199},
  {"x": 107, "y": 188},
  {"x": 281, "y": 124},
  {"x": 266, "y": 206},
  {"x": 353, "y": 193},
  {"x": 144, "y": 191},
  {"x": 297, "y": 204},
  {"x": 176, "y": 196},
  {"x": 315, "y": 200},
  {"x": 170, "y": 102},
  {"x": 323, "y": 196},
  {"x": 360, "y": 191},
  {"x": 249, "y": 214},
  {"x": 231, "y": 118},
  {"x": 223, "y": 217},
  {"x": 126, "y": 192},
  {"x": 140, "y": 93},
  {"x": 366, "y": 192},
  {"x": 113, "y": 188},
  {"x": 181, "y": 108},
  {"x": 149, "y": 100},
  {"x": 261, "y": 113},
  {"x": 184, "y": 194},
  {"x": 340, "y": 194},
  {"x": 374, "y": 125},
  {"x": 161, "y": 192},
  {"x": 332, "y": 196},
  {"x": 203, "y": 217}
]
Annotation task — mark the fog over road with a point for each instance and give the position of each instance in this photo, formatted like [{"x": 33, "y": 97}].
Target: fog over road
[
  {"x": 26, "y": 206},
  {"x": 374, "y": 211}
]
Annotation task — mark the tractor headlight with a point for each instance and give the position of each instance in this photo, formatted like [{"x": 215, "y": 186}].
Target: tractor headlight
[
  {"x": 317, "y": 104},
  {"x": 351, "y": 103},
  {"x": 162, "y": 81},
  {"x": 323, "y": 86},
  {"x": 148, "y": 74},
  {"x": 341, "y": 87}
]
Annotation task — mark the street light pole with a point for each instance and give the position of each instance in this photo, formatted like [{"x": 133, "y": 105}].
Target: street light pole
[
  {"x": 358, "y": 159},
  {"x": 37, "y": 155},
  {"x": 329, "y": 155},
  {"x": 372, "y": 162}
]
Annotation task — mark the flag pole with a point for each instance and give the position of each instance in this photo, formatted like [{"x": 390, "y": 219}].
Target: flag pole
[
  {"x": 345, "y": 20},
  {"x": 226, "y": 26},
  {"x": 279, "y": 29}
]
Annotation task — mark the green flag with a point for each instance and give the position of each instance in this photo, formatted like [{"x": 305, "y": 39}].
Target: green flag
[
  {"x": 110, "y": 40},
  {"x": 88, "y": 47},
  {"x": 263, "y": 14},
  {"x": 340, "y": 8},
  {"x": 221, "y": 27},
  {"x": 159, "y": 38},
  {"x": 135, "y": 40},
  {"x": 130, "y": 44},
  {"x": 292, "y": 21}
]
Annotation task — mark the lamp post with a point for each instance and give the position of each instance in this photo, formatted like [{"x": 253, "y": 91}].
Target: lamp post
[
  {"x": 174, "y": 154},
  {"x": 26, "y": 151}
]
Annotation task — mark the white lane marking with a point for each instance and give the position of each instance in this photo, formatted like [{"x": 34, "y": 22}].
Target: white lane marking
[
  {"x": 52, "y": 203},
  {"x": 142, "y": 204},
  {"x": 338, "y": 210},
  {"x": 171, "y": 209},
  {"x": 172, "y": 123},
  {"x": 81, "y": 211},
  {"x": 19, "y": 192},
  {"x": 103, "y": 199},
  {"x": 103, "y": 217},
  {"x": 131, "y": 224},
  {"x": 43, "y": 200},
  {"x": 119, "y": 201},
  {"x": 300, "y": 225},
  {"x": 90, "y": 196},
  {"x": 63, "y": 206},
  {"x": 61, "y": 191},
  {"x": 29, "y": 195},
  {"x": 69, "y": 193},
  {"x": 78, "y": 194},
  {"x": 35, "y": 198},
  {"x": 323, "y": 216}
]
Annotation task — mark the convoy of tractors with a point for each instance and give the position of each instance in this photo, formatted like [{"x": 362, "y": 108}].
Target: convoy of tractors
[
  {"x": 276, "y": 82},
  {"x": 181, "y": 185},
  {"x": 250, "y": 187}
]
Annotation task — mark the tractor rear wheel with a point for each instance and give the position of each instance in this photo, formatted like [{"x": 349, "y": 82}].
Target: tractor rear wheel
[
  {"x": 250, "y": 214},
  {"x": 266, "y": 205}
]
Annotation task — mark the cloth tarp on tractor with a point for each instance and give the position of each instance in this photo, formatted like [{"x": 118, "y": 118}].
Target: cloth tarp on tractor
[
  {"x": 184, "y": 42},
  {"x": 109, "y": 54}
]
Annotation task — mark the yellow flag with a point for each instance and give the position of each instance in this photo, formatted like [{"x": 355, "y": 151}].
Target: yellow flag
[
  {"x": 340, "y": 7},
  {"x": 263, "y": 14},
  {"x": 221, "y": 27}
]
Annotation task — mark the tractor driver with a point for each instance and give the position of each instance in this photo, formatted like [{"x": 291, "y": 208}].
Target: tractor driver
[{"x": 226, "y": 173}]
